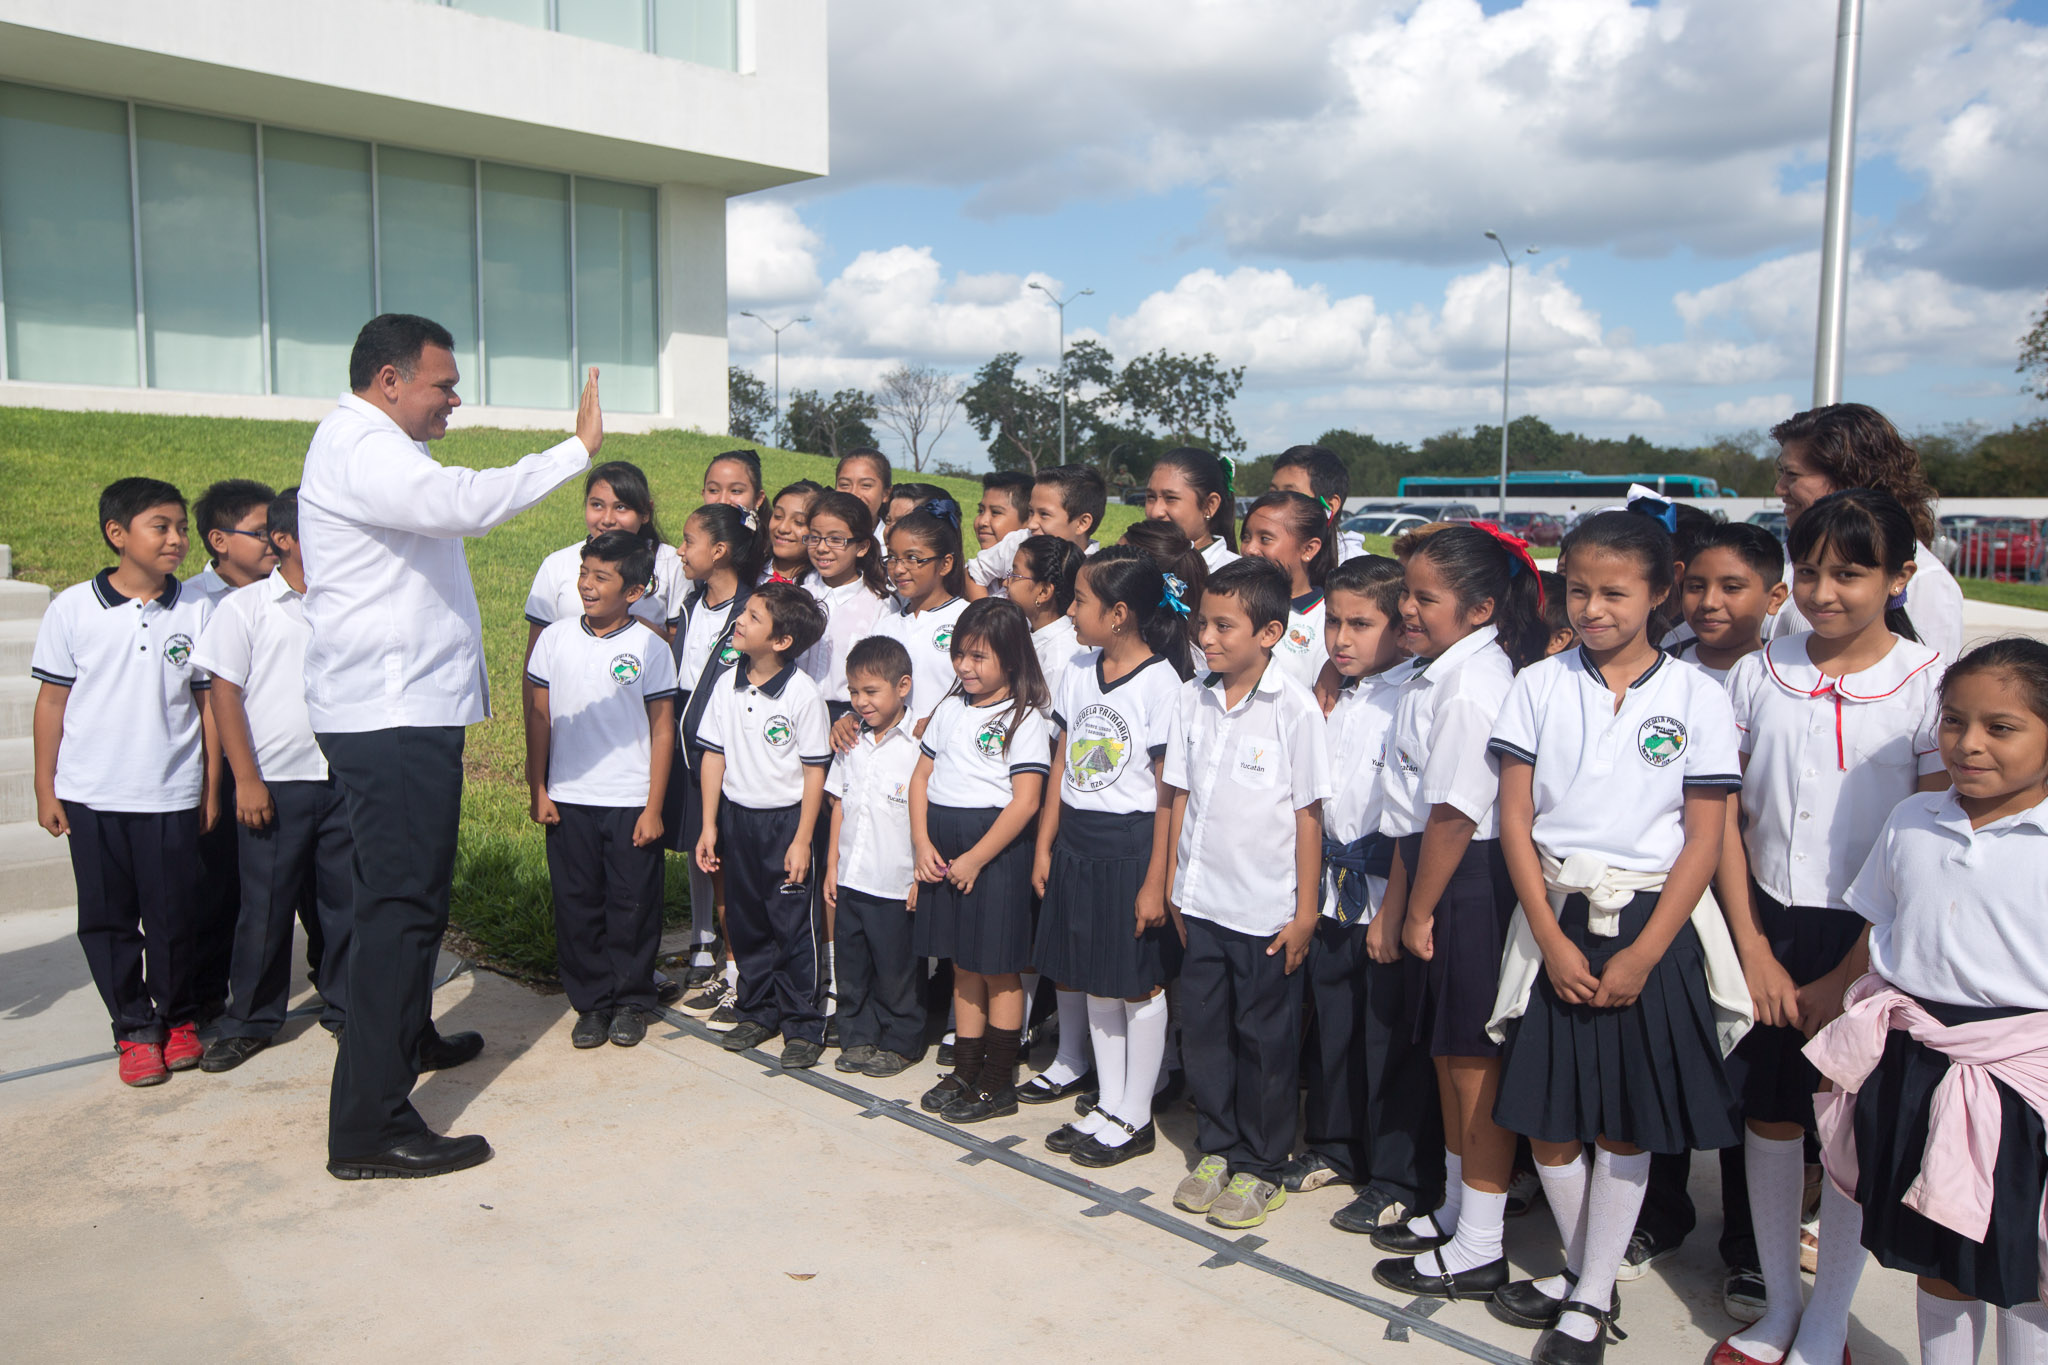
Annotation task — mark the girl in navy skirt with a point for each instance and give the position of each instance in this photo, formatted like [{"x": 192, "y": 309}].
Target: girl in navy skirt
[
  {"x": 973, "y": 796},
  {"x": 1952, "y": 897},
  {"x": 1616, "y": 764},
  {"x": 1470, "y": 611},
  {"x": 1837, "y": 728},
  {"x": 1102, "y": 841}
]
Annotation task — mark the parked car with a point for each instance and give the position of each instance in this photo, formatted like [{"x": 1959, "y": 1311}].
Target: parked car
[
  {"x": 1774, "y": 522},
  {"x": 1538, "y": 528},
  {"x": 1381, "y": 523},
  {"x": 1999, "y": 547},
  {"x": 1441, "y": 511},
  {"x": 1948, "y": 537}
]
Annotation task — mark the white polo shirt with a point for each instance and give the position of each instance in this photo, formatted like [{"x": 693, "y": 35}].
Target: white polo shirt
[
  {"x": 600, "y": 743},
  {"x": 1934, "y": 600},
  {"x": 851, "y": 611},
  {"x": 1955, "y": 912},
  {"x": 208, "y": 584},
  {"x": 1115, "y": 733},
  {"x": 397, "y": 640},
  {"x": 699, "y": 636},
  {"x": 1686, "y": 651},
  {"x": 1246, "y": 769},
  {"x": 1357, "y": 729},
  {"x": 256, "y": 639},
  {"x": 872, "y": 784},
  {"x": 1301, "y": 651},
  {"x": 1056, "y": 648},
  {"x": 1350, "y": 545},
  {"x": 1216, "y": 554},
  {"x": 927, "y": 636},
  {"x": 1613, "y": 783},
  {"x": 768, "y": 734},
  {"x": 1437, "y": 751},
  {"x": 553, "y": 596},
  {"x": 1828, "y": 759},
  {"x": 131, "y": 738},
  {"x": 971, "y": 763}
]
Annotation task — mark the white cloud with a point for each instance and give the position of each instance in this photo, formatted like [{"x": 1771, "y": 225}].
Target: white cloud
[
  {"x": 1758, "y": 410},
  {"x": 771, "y": 254}
]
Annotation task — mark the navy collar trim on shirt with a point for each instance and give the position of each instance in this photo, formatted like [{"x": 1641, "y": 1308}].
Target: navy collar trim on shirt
[
  {"x": 1586, "y": 658},
  {"x": 624, "y": 625},
  {"x": 772, "y": 688},
  {"x": 1102, "y": 683},
  {"x": 110, "y": 596},
  {"x": 1307, "y": 600}
]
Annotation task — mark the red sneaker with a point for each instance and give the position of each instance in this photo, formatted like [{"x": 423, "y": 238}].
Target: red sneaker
[
  {"x": 143, "y": 1064},
  {"x": 182, "y": 1049}
]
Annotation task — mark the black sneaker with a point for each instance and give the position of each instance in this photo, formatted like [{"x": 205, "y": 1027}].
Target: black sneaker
[
  {"x": 746, "y": 1034},
  {"x": 800, "y": 1054},
  {"x": 591, "y": 1028},
  {"x": 1307, "y": 1172},
  {"x": 722, "y": 1018},
  {"x": 886, "y": 1063},
  {"x": 1370, "y": 1210},
  {"x": 629, "y": 1026},
  {"x": 1742, "y": 1294},
  {"x": 709, "y": 999},
  {"x": 854, "y": 1058},
  {"x": 225, "y": 1054},
  {"x": 1645, "y": 1249}
]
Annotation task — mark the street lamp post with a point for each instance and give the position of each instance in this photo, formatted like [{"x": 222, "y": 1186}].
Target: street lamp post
[
  {"x": 1507, "y": 348},
  {"x": 1061, "y": 304},
  {"x": 778, "y": 331},
  {"x": 1834, "y": 238}
]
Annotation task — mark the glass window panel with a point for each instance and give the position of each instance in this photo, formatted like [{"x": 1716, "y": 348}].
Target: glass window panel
[
  {"x": 526, "y": 287},
  {"x": 316, "y": 201},
  {"x": 615, "y": 296},
  {"x": 701, "y": 31},
  {"x": 622, "y": 22},
  {"x": 426, "y": 246},
  {"x": 533, "y": 12},
  {"x": 201, "y": 299},
  {"x": 66, "y": 244}
]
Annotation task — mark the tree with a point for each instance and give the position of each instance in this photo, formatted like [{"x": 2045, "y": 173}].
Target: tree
[
  {"x": 750, "y": 412},
  {"x": 917, "y": 403},
  {"x": 830, "y": 426},
  {"x": 1018, "y": 417},
  {"x": 1187, "y": 397},
  {"x": 2034, "y": 355}
]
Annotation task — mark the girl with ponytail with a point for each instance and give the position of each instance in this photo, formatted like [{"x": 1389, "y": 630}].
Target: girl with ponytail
[
  {"x": 1101, "y": 865},
  {"x": 1194, "y": 490}
]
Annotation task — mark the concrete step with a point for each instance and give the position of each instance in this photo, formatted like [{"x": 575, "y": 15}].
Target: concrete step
[
  {"x": 18, "y": 706},
  {"x": 21, "y": 601},
  {"x": 17, "y": 782},
  {"x": 18, "y": 645},
  {"x": 35, "y": 870}
]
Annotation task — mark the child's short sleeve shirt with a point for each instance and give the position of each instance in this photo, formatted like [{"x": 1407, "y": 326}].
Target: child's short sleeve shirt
[
  {"x": 1437, "y": 751},
  {"x": 927, "y": 636},
  {"x": 1357, "y": 729},
  {"x": 256, "y": 640},
  {"x": 1114, "y": 733},
  {"x": 600, "y": 743},
  {"x": 872, "y": 784},
  {"x": 553, "y": 596},
  {"x": 851, "y": 611},
  {"x": 768, "y": 733},
  {"x": 1301, "y": 652},
  {"x": 976, "y": 750}
]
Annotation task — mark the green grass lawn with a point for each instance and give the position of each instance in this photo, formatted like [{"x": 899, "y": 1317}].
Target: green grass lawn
[
  {"x": 53, "y": 465},
  {"x": 2034, "y": 595}
]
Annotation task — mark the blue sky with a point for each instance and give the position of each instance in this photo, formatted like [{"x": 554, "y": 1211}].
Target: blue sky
[{"x": 1302, "y": 188}]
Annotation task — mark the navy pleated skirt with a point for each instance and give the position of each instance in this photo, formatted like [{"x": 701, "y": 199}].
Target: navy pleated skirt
[
  {"x": 1772, "y": 1076},
  {"x": 1087, "y": 927},
  {"x": 1648, "y": 1074},
  {"x": 1891, "y": 1135},
  {"x": 1453, "y": 991},
  {"x": 987, "y": 930}
]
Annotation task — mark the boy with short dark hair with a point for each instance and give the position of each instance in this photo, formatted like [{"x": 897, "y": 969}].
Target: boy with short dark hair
[
  {"x": 1067, "y": 501},
  {"x": 1004, "y": 507},
  {"x": 126, "y": 764},
  {"x": 290, "y": 819},
  {"x": 1729, "y": 590},
  {"x": 1317, "y": 473},
  {"x": 231, "y": 518},
  {"x": 870, "y": 875},
  {"x": 766, "y": 741},
  {"x": 600, "y": 735},
  {"x": 1248, "y": 773}
]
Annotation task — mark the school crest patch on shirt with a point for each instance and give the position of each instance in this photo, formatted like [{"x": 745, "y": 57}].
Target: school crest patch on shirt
[
  {"x": 1098, "y": 745},
  {"x": 1660, "y": 740},
  {"x": 1297, "y": 639},
  {"x": 989, "y": 739},
  {"x": 728, "y": 655},
  {"x": 778, "y": 732},
  {"x": 625, "y": 670},
  {"x": 942, "y": 638},
  {"x": 178, "y": 650}
]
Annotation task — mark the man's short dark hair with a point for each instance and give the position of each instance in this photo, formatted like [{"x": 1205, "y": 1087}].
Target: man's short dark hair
[
  {"x": 794, "y": 612},
  {"x": 1014, "y": 484},
  {"x": 283, "y": 517},
  {"x": 1082, "y": 492},
  {"x": 394, "y": 339},
  {"x": 1259, "y": 585},
  {"x": 631, "y": 553},
  {"x": 225, "y": 503},
  {"x": 879, "y": 656},
  {"x": 123, "y": 500},
  {"x": 1755, "y": 546}
]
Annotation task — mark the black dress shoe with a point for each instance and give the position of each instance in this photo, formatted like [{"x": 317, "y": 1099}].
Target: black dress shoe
[
  {"x": 1403, "y": 1240},
  {"x": 1085, "y": 1102},
  {"x": 428, "y": 1154},
  {"x": 697, "y": 975},
  {"x": 1064, "y": 1139},
  {"x": 1039, "y": 1090},
  {"x": 667, "y": 990},
  {"x": 629, "y": 1026},
  {"x": 225, "y": 1054},
  {"x": 1479, "y": 1282},
  {"x": 591, "y": 1028},
  {"x": 1521, "y": 1304},
  {"x": 746, "y": 1034},
  {"x": 438, "y": 1053},
  {"x": 976, "y": 1106},
  {"x": 1559, "y": 1348},
  {"x": 1095, "y": 1153},
  {"x": 801, "y": 1054},
  {"x": 831, "y": 1030}
]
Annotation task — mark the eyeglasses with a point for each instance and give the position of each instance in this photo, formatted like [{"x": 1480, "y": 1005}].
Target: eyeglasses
[
  {"x": 263, "y": 536},
  {"x": 908, "y": 561},
  {"x": 1020, "y": 578},
  {"x": 814, "y": 540}
]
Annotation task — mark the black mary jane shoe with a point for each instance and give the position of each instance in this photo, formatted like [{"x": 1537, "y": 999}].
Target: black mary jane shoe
[
  {"x": 1402, "y": 1240},
  {"x": 1479, "y": 1282},
  {"x": 1064, "y": 1139},
  {"x": 1559, "y": 1348},
  {"x": 976, "y": 1106},
  {"x": 1519, "y": 1303},
  {"x": 1096, "y": 1154},
  {"x": 949, "y": 1088},
  {"x": 1039, "y": 1090},
  {"x": 1086, "y": 1102}
]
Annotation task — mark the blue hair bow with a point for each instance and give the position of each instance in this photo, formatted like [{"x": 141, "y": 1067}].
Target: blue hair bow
[
  {"x": 1176, "y": 592},
  {"x": 945, "y": 509}
]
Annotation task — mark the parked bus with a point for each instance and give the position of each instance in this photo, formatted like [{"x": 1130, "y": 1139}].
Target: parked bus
[{"x": 1559, "y": 483}]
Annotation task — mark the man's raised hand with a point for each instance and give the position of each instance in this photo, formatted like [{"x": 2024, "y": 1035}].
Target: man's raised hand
[{"x": 589, "y": 417}]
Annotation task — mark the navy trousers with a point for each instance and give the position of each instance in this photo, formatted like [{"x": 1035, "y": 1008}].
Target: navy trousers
[
  {"x": 305, "y": 855},
  {"x": 138, "y": 913},
  {"x": 776, "y": 931},
  {"x": 607, "y": 907},
  {"x": 1241, "y": 1043}
]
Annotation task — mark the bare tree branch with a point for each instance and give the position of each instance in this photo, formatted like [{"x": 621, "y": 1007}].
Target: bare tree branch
[{"x": 917, "y": 403}]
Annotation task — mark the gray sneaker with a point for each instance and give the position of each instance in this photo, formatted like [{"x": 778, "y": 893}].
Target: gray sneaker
[
  {"x": 1203, "y": 1186},
  {"x": 1246, "y": 1202},
  {"x": 854, "y": 1058}
]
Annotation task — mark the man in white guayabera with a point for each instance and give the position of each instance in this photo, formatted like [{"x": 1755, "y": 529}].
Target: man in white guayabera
[{"x": 394, "y": 671}]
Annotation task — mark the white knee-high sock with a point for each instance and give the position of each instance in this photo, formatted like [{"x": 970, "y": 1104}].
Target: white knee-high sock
[
  {"x": 1107, "y": 1034},
  {"x": 703, "y": 927},
  {"x": 1614, "y": 1196},
  {"x": 1824, "y": 1327},
  {"x": 1072, "y": 1062},
  {"x": 1144, "y": 1045},
  {"x": 1777, "y": 1173},
  {"x": 1447, "y": 1212},
  {"x": 1478, "y": 1240},
  {"x": 1564, "y": 1189},
  {"x": 1951, "y": 1330},
  {"x": 2022, "y": 1334}
]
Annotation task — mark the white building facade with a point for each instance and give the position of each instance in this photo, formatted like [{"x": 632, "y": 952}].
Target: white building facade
[{"x": 201, "y": 201}]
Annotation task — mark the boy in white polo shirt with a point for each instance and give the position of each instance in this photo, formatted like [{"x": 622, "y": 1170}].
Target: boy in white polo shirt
[
  {"x": 600, "y": 735},
  {"x": 292, "y": 821},
  {"x": 870, "y": 875},
  {"x": 125, "y": 764},
  {"x": 766, "y": 741},
  {"x": 1248, "y": 769},
  {"x": 1067, "y": 501}
]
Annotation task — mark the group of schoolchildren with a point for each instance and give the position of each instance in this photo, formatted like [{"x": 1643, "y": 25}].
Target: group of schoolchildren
[{"x": 1505, "y": 869}]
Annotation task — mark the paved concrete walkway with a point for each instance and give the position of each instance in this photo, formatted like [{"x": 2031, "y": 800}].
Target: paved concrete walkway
[{"x": 663, "y": 1203}]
